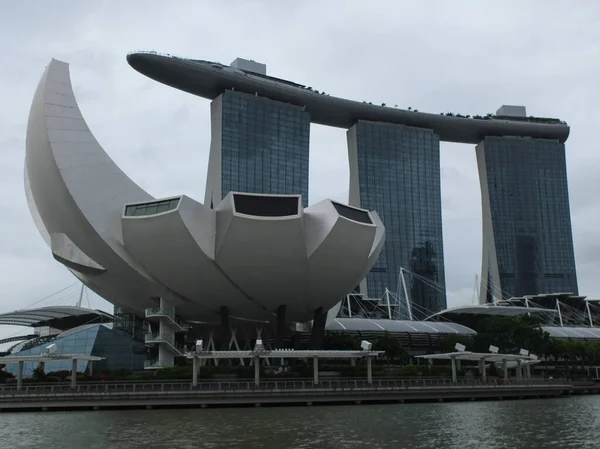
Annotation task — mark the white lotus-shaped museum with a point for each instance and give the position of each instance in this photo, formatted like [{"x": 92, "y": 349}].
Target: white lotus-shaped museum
[{"x": 251, "y": 254}]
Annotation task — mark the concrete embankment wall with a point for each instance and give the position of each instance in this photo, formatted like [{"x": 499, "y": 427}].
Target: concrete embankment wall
[{"x": 309, "y": 396}]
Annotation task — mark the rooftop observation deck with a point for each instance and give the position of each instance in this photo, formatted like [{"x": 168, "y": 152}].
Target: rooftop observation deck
[{"x": 209, "y": 79}]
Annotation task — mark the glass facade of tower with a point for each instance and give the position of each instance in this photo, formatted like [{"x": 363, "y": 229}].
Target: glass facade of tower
[
  {"x": 399, "y": 178},
  {"x": 264, "y": 146},
  {"x": 530, "y": 216}
]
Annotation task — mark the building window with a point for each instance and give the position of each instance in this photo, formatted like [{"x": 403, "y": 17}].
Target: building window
[
  {"x": 155, "y": 207},
  {"x": 352, "y": 213},
  {"x": 266, "y": 206}
]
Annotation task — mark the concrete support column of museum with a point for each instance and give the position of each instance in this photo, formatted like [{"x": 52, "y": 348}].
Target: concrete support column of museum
[
  {"x": 453, "y": 363},
  {"x": 316, "y": 370},
  {"x": 91, "y": 368},
  {"x": 195, "y": 372},
  {"x": 225, "y": 329},
  {"x": 73, "y": 373},
  {"x": 318, "y": 329},
  {"x": 482, "y": 370},
  {"x": 166, "y": 333},
  {"x": 20, "y": 375},
  {"x": 256, "y": 371},
  {"x": 280, "y": 327},
  {"x": 369, "y": 370},
  {"x": 519, "y": 371},
  {"x": 505, "y": 369}
]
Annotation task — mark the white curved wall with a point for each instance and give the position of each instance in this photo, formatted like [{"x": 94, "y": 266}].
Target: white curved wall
[
  {"x": 199, "y": 258},
  {"x": 265, "y": 256},
  {"x": 334, "y": 242},
  {"x": 167, "y": 249},
  {"x": 78, "y": 190}
]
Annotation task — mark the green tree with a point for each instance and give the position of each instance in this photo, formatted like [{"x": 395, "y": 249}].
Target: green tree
[
  {"x": 392, "y": 347},
  {"x": 341, "y": 342},
  {"x": 448, "y": 343},
  {"x": 4, "y": 374},
  {"x": 38, "y": 372},
  {"x": 510, "y": 334}
]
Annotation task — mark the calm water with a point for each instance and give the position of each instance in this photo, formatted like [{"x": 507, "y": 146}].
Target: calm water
[{"x": 531, "y": 424}]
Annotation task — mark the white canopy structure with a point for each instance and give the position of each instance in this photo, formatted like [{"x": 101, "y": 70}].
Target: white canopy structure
[
  {"x": 256, "y": 355},
  {"x": 49, "y": 358},
  {"x": 491, "y": 309},
  {"x": 397, "y": 326},
  {"x": 518, "y": 360}
]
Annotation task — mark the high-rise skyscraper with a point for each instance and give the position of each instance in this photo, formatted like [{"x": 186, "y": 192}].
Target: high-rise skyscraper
[
  {"x": 258, "y": 146},
  {"x": 527, "y": 238},
  {"x": 395, "y": 170}
]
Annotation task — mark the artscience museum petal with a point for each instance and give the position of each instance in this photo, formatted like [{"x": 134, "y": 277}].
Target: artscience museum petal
[{"x": 254, "y": 256}]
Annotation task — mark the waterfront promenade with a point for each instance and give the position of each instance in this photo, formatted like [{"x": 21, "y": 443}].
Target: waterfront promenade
[{"x": 135, "y": 395}]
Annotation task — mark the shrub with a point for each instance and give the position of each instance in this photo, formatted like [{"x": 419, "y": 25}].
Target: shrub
[
  {"x": 120, "y": 374},
  {"x": 4, "y": 375},
  {"x": 62, "y": 374},
  {"x": 38, "y": 372},
  {"x": 410, "y": 371},
  {"x": 175, "y": 373}
]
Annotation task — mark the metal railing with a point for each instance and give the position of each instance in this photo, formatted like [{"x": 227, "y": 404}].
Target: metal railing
[
  {"x": 166, "y": 312},
  {"x": 162, "y": 338},
  {"x": 155, "y": 363},
  {"x": 159, "y": 338},
  {"x": 272, "y": 385}
]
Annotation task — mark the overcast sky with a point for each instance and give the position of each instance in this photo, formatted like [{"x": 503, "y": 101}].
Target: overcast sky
[{"x": 466, "y": 57}]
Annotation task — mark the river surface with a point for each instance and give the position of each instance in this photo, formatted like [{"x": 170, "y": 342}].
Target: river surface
[{"x": 533, "y": 424}]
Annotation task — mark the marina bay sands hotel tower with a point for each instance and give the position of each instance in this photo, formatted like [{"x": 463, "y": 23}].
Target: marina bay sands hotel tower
[{"x": 260, "y": 129}]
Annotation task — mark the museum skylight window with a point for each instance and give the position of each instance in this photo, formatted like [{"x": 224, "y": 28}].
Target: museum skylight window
[
  {"x": 266, "y": 206},
  {"x": 155, "y": 207}
]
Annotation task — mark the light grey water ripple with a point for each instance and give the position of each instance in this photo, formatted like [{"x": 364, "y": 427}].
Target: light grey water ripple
[{"x": 532, "y": 424}]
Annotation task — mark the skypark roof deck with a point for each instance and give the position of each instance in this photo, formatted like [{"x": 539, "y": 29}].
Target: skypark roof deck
[{"x": 209, "y": 79}]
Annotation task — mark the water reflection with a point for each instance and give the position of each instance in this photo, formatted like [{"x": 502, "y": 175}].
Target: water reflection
[{"x": 532, "y": 424}]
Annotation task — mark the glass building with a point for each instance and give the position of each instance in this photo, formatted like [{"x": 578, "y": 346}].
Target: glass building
[
  {"x": 395, "y": 170},
  {"x": 129, "y": 323},
  {"x": 527, "y": 237},
  {"x": 258, "y": 146},
  {"x": 120, "y": 351}
]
